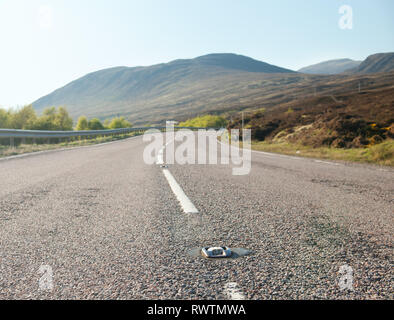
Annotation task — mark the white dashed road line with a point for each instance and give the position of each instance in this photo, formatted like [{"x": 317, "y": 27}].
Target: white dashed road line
[
  {"x": 232, "y": 291},
  {"x": 186, "y": 204}
]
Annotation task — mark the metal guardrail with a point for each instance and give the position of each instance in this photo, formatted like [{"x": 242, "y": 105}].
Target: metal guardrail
[
  {"x": 37, "y": 134},
  {"x": 14, "y": 133}
]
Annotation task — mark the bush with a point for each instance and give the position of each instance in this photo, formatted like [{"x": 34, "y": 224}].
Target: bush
[
  {"x": 205, "y": 122},
  {"x": 82, "y": 124},
  {"x": 54, "y": 119},
  {"x": 118, "y": 123},
  {"x": 95, "y": 124}
]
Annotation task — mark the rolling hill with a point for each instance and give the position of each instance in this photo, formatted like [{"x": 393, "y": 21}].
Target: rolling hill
[
  {"x": 380, "y": 62},
  {"x": 154, "y": 93},
  {"x": 331, "y": 66},
  {"x": 215, "y": 83}
]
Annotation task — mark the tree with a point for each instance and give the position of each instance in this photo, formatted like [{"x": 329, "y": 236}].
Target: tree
[
  {"x": 107, "y": 122},
  {"x": 4, "y": 119},
  {"x": 23, "y": 118},
  {"x": 54, "y": 120},
  {"x": 62, "y": 120},
  {"x": 50, "y": 112},
  {"x": 82, "y": 124},
  {"x": 95, "y": 124},
  {"x": 47, "y": 120}
]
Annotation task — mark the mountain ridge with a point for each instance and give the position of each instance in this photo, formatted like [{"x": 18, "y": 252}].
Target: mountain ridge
[
  {"x": 374, "y": 63},
  {"x": 184, "y": 88},
  {"x": 120, "y": 88}
]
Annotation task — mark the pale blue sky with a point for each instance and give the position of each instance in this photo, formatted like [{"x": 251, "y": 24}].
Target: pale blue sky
[{"x": 45, "y": 44}]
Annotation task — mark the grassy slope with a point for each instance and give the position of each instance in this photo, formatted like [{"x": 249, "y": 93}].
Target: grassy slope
[
  {"x": 349, "y": 126},
  {"x": 382, "y": 154}
]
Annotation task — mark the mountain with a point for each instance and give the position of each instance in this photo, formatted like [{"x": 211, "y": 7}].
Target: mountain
[
  {"x": 331, "y": 66},
  {"x": 154, "y": 93},
  {"x": 380, "y": 62}
]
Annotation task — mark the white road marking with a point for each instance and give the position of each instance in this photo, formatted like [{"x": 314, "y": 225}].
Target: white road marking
[
  {"x": 160, "y": 158},
  {"x": 326, "y": 162},
  {"x": 273, "y": 155},
  {"x": 186, "y": 204},
  {"x": 232, "y": 291}
]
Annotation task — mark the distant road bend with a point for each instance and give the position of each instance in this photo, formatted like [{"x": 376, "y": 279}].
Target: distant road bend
[{"x": 112, "y": 227}]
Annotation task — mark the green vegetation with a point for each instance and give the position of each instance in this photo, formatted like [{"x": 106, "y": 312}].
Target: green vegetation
[
  {"x": 95, "y": 124},
  {"x": 118, "y": 123},
  {"x": 82, "y": 124},
  {"x": 382, "y": 154},
  {"x": 205, "y": 121},
  {"x": 26, "y": 118},
  {"x": 53, "y": 119}
]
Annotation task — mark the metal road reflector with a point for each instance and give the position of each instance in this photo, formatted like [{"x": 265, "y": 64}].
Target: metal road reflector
[{"x": 216, "y": 252}]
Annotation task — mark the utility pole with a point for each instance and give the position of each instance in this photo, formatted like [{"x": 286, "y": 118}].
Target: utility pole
[{"x": 242, "y": 120}]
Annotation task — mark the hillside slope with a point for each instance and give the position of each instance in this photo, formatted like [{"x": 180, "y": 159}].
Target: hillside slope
[
  {"x": 157, "y": 92},
  {"x": 380, "y": 62},
  {"x": 334, "y": 118},
  {"x": 331, "y": 66}
]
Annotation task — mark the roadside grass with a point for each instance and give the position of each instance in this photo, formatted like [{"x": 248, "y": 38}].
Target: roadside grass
[
  {"x": 381, "y": 154},
  {"x": 6, "y": 151}
]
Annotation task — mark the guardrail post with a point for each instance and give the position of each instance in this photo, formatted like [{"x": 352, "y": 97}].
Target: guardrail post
[{"x": 12, "y": 144}]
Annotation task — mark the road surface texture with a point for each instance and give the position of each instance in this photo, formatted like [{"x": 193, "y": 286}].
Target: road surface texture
[{"x": 109, "y": 226}]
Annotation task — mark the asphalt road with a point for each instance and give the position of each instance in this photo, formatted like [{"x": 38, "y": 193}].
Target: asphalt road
[{"x": 110, "y": 226}]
